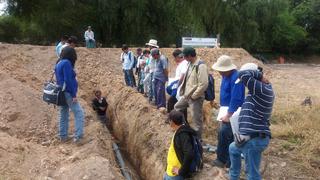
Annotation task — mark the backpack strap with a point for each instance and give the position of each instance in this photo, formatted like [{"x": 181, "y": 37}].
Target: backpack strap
[
  {"x": 197, "y": 66},
  {"x": 129, "y": 54}
]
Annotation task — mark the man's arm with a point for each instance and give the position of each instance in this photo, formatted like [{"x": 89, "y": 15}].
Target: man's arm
[
  {"x": 94, "y": 105},
  {"x": 202, "y": 81},
  {"x": 188, "y": 154},
  {"x": 131, "y": 59},
  {"x": 237, "y": 97},
  {"x": 252, "y": 80},
  {"x": 165, "y": 67}
]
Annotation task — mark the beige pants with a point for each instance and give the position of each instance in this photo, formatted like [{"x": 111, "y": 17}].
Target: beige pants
[{"x": 196, "y": 112}]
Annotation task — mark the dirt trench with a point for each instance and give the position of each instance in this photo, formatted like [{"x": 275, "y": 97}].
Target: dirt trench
[{"x": 138, "y": 126}]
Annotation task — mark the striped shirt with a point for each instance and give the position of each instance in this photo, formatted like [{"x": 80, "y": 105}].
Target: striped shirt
[{"x": 257, "y": 107}]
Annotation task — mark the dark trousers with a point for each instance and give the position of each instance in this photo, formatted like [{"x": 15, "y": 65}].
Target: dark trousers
[
  {"x": 170, "y": 106},
  {"x": 133, "y": 78},
  {"x": 151, "y": 88},
  {"x": 129, "y": 78},
  {"x": 160, "y": 93},
  {"x": 225, "y": 138}
]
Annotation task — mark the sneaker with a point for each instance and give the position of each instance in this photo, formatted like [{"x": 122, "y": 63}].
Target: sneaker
[
  {"x": 78, "y": 141},
  {"x": 63, "y": 139},
  {"x": 217, "y": 163}
]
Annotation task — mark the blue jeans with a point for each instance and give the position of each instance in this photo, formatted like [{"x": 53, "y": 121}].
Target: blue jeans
[
  {"x": 160, "y": 93},
  {"x": 167, "y": 177},
  {"x": 90, "y": 44},
  {"x": 252, "y": 154},
  {"x": 128, "y": 77},
  {"x": 64, "y": 118},
  {"x": 225, "y": 138}
]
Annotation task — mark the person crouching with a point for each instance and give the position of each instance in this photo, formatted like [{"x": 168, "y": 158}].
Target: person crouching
[
  {"x": 181, "y": 151},
  {"x": 100, "y": 105}
]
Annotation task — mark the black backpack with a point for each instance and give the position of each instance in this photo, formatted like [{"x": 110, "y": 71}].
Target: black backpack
[
  {"x": 197, "y": 162},
  {"x": 135, "y": 60},
  {"x": 209, "y": 93}
]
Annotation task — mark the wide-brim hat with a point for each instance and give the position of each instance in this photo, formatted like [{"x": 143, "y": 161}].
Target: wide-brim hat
[
  {"x": 223, "y": 64},
  {"x": 153, "y": 43}
]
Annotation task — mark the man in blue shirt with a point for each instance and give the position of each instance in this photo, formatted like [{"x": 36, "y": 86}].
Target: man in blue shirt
[
  {"x": 232, "y": 97},
  {"x": 253, "y": 123},
  {"x": 160, "y": 77},
  {"x": 127, "y": 59}
]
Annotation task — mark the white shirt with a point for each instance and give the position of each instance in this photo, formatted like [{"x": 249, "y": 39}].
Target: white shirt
[
  {"x": 181, "y": 69},
  {"x": 63, "y": 46},
  {"x": 127, "y": 63},
  {"x": 88, "y": 35}
]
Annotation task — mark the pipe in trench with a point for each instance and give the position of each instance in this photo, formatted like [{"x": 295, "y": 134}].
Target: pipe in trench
[{"x": 121, "y": 162}]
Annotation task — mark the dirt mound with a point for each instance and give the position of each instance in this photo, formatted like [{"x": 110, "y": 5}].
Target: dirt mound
[{"x": 28, "y": 126}]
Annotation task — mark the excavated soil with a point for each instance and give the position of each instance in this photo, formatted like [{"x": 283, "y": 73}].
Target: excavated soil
[{"x": 28, "y": 126}]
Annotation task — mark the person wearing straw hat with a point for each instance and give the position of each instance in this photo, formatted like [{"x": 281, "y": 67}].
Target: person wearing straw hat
[
  {"x": 254, "y": 122},
  {"x": 152, "y": 44},
  {"x": 231, "y": 99},
  {"x": 193, "y": 86}
]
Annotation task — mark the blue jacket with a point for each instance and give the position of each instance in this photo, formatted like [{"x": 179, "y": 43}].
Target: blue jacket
[
  {"x": 231, "y": 94},
  {"x": 65, "y": 74}
]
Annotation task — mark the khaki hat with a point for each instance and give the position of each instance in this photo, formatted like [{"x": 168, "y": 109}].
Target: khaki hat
[
  {"x": 153, "y": 43},
  {"x": 223, "y": 64}
]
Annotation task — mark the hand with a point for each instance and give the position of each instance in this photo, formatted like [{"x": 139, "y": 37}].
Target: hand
[
  {"x": 74, "y": 100},
  {"x": 175, "y": 171},
  {"x": 226, "y": 118},
  {"x": 265, "y": 80}
]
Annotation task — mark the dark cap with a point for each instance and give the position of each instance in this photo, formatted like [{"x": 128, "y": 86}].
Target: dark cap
[
  {"x": 189, "y": 51},
  {"x": 155, "y": 51},
  {"x": 177, "y": 52},
  {"x": 73, "y": 39},
  {"x": 125, "y": 47},
  {"x": 146, "y": 51}
]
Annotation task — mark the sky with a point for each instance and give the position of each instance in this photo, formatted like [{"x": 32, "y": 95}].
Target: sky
[{"x": 3, "y": 5}]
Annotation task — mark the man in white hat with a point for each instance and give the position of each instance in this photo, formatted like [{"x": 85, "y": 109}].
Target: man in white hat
[
  {"x": 152, "y": 44},
  {"x": 231, "y": 98},
  {"x": 253, "y": 123}
]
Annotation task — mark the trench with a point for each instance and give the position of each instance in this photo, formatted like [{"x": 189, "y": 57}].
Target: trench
[
  {"x": 128, "y": 170},
  {"x": 140, "y": 132}
]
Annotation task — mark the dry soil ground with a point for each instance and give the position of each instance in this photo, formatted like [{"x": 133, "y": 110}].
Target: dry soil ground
[{"x": 28, "y": 126}]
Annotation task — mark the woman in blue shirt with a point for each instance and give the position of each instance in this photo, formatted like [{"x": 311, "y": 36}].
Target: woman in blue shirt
[{"x": 66, "y": 78}]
